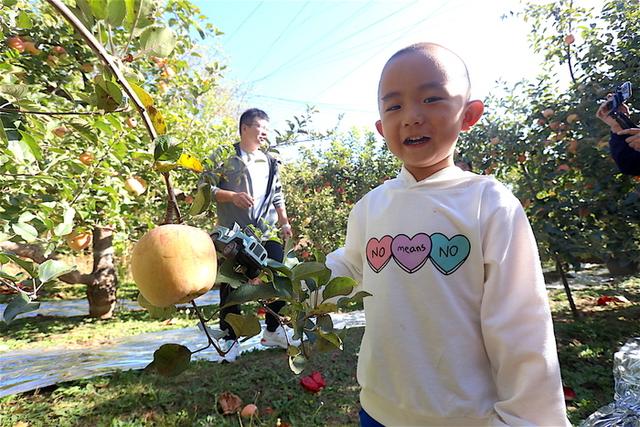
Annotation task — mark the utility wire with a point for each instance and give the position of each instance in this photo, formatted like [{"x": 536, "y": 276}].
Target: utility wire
[
  {"x": 314, "y": 43},
  {"x": 377, "y": 52},
  {"x": 268, "y": 50},
  {"x": 245, "y": 20}
]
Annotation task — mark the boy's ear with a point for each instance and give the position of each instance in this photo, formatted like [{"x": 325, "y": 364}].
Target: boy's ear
[
  {"x": 472, "y": 114},
  {"x": 379, "y": 127}
]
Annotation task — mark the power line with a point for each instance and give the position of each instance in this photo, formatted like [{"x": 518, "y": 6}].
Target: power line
[
  {"x": 351, "y": 35},
  {"x": 340, "y": 107},
  {"x": 268, "y": 51},
  {"x": 376, "y": 53},
  {"x": 309, "y": 46},
  {"x": 244, "y": 21}
]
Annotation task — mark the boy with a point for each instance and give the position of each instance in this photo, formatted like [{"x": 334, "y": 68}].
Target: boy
[{"x": 459, "y": 330}]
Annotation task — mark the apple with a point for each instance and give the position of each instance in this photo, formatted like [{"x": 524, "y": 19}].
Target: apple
[
  {"x": 52, "y": 60},
  {"x": 163, "y": 87},
  {"x": 132, "y": 122},
  {"x": 250, "y": 410},
  {"x": 522, "y": 158},
  {"x": 563, "y": 167},
  {"x": 59, "y": 50},
  {"x": 135, "y": 185},
  {"x": 572, "y": 146},
  {"x": 87, "y": 67},
  {"x": 60, "y": 131},
  {"x": 86, "y": 158},
  {"x": 78, "y": 240},
  {"x": 31, "y": 48},
  {"x": 572, "y": 118},
  {"x": 569, "y": 39},
  {"x": 16, "y": 43},
  {"x": 173, "y": 264},
  {"x": 554, "y": 125},
  {"x": 548, "y": 112},
  {"x": 167, "y": 72}
]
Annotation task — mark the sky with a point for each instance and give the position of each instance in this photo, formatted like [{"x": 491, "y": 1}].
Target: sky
[{"x": 283, "y": 55}]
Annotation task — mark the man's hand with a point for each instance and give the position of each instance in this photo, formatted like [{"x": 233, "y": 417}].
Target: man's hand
[
  {"x": 242, "y": 200},
  {"x": 287, "y": 233},
  {"x": 634, "y": 139},
  {"x": 603, "y": 114}
]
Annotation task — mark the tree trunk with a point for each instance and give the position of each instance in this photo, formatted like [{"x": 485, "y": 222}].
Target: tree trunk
[{"x": 101, "y": 292}]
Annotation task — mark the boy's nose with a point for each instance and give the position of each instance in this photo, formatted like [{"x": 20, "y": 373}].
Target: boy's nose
[{"x": 413, "y": 117}]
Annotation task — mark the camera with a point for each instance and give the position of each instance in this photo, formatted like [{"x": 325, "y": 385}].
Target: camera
[
  {"x": 242, "y": 248},
  {"x": 622, "y": 93}
]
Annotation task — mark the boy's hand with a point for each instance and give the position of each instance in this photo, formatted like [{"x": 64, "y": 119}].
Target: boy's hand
[
  {"x": 603, "y": 114},
  {"x": 242, "y": 200},
  {"x": 634, "y": 139}
]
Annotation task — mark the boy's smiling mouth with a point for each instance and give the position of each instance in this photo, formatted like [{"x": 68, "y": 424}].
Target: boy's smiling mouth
[{"x": 416, "y": 140}]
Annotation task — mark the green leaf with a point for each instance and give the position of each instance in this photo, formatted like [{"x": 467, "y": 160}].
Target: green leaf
[
  {"x": 170, "y": 360},
  {"x": 202, "y": 200},
  {"x": 330, "y": 337},
  {"x": 166, "y": 149},
  {"x": 357, "y": 298},
  {"x": 21, "y": 303},
  {"x": 338, "y": 286},
  {"x": 245, "y": 293},
  {"x": 27, "y": 266},
  {"x": 66, "y": 226},
  {"x": 244, "y": 326},
  {"x": 158, "y": 41},
  {"x": 27, "y": 231},
  {"x": 279, "y": 267},
  {"x": 297, "y": 363},
  {"x": 31, "y": 145},
  {"x": 3, "y": 135},
  {"x": 161, "y": 313},
  {"x": 98, "y": 8},
  {"x": 312, "y": 270},
  {"x": 17, "y": 92},
  {"x": 52, "y": 269},
  {"x": 143, "y": 16},
  {"x": 116, "y": 11},
  {"x": 24, "y": 20}
]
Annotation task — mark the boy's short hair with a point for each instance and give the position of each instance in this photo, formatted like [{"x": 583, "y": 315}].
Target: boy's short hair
[
  {"x": 431, "y": 50},
  {"x": 249, "y": 116}
]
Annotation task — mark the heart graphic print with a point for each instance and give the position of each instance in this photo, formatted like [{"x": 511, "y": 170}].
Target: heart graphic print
[
  {"x": 379, "y": 252},
  {"x": 411, "y": 253}
]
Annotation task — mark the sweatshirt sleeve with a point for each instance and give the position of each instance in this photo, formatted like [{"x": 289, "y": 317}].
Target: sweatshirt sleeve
[
  {"x": 627, "y": 159},
  {"x": 516, "y": 322},
  {"x": 347, "y": 261}
]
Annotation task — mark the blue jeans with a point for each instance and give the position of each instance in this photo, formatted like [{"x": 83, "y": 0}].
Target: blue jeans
[{"x": 367, "y": 421}]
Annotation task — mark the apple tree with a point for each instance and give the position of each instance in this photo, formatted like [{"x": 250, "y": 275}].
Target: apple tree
[
  {"x": 76, "y": 154},
  {"x": 543, "y": 139}
]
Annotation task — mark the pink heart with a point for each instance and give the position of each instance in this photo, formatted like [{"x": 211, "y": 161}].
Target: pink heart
[
  {"x": 379, "y": 252},
  {"x": 411, "y": 253}
]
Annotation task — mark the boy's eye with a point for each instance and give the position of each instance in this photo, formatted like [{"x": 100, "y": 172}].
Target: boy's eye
[
  {"x": 392, "y": 108},
  {"x": 431, "y": 99}
]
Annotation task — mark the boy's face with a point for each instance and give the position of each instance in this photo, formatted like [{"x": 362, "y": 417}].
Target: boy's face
[{"x": 422, "y": 111}]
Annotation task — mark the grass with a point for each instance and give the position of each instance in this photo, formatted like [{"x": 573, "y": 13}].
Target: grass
[{"x": 136, "y": 398}]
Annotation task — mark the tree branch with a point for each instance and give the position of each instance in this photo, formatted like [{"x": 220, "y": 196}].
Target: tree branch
[
  {"x": 99, "y": 50},
  {"x": 36, "y": 253}
]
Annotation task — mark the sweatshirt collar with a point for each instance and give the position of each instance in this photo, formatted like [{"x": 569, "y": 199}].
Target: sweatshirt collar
[{"x": 445, "y": 174}]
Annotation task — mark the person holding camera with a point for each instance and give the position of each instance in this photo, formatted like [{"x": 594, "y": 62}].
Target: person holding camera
[
  {"x": 624, "y": 144},
  {"x": 248, "y": 192}
]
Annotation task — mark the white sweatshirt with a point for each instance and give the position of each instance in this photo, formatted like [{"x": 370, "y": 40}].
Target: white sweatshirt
[{"x": 459, "y": 330}]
